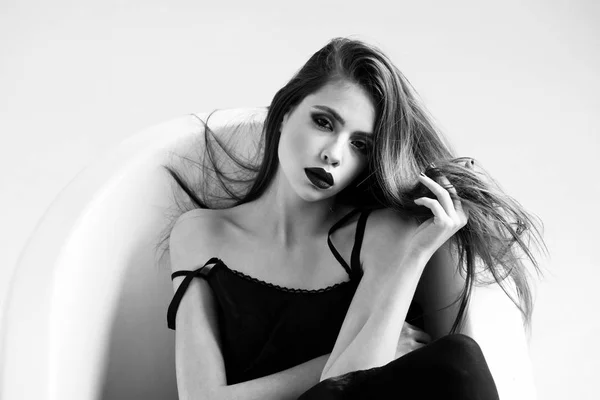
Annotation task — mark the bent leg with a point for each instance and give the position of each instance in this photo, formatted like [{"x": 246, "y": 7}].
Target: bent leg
[{"x": 452, "y": 367}]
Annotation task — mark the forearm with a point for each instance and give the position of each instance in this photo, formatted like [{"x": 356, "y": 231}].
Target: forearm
[
  {"x": 286, "y": 384},
  {"x": 375, "y": 343}
]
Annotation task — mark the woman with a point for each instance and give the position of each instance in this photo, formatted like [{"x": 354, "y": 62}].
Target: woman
[{"x": 352, "y": 173}]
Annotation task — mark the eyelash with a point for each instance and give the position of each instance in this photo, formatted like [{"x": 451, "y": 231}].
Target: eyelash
[{"x": 318, "y": 118}]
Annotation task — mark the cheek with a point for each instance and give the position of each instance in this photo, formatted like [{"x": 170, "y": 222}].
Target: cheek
[
  {"x": 358, "y": 169},
  {"x": 347, "y": 177},
  {"x": 298, "y": 145},
  {"x": 298, "y": 142},
  {"x": 291, "y": 148},
  {"x": 285, "y": 143},
  {"x": 359, "y": 165}
]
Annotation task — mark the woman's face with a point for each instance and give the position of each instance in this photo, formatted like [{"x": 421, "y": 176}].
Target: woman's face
[{"x": 330, "y": 131}]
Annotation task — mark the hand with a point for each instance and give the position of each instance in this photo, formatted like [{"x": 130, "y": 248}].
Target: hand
[
  {"x": 411, "y": 338},
  {"x": 448, "y": 215}
]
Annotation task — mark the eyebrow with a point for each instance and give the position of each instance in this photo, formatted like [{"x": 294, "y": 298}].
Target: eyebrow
[{"x": 339, "y": 118}]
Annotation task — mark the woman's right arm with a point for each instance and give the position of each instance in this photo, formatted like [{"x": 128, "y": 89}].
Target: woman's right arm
[
  {"x": 199, "y": 363},
  {"x": 394, "y": 263}
]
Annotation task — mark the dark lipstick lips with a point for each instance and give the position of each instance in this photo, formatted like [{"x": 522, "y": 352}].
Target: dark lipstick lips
[{"x": 322, "y": 174}]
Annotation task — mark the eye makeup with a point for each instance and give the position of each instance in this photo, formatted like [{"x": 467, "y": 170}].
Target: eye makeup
[
  {"x": 337, "y": 117},
  {"x": 324, "y": 123}
]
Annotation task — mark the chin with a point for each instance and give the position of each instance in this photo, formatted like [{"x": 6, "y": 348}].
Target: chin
[
  {"x": 314, "y": 194},
  {"x": 312, "y": 197}
]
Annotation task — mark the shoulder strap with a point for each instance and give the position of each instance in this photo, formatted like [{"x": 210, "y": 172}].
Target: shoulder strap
[
  {"x": 335, "y": 227},
  {"x": 189, "y": 275},
  {"x": 358, "y": 239}
]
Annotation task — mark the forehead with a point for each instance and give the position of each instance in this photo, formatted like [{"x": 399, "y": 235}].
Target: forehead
[{"x": 350, "y": 100}]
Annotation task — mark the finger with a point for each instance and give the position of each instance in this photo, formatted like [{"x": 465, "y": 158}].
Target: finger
[
  {"x": 423, "y": 337},
  {"x": 416, "y": 345},
  {"x": 413, "y": 328},
  {"x": 405, "y": 328},
  {"x": 442, "y": 194},
  {"x": 436, "y": 208},
  {"x": 445, "y": 183},
  {"x": 417, "y": 333},
  {"x": 409, "y": 325}
]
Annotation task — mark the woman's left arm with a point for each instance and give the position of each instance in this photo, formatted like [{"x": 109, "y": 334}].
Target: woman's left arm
[{"x": 491, "y": 319}]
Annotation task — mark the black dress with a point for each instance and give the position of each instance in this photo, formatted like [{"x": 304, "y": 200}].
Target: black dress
[{"x": 267, "y": 328}]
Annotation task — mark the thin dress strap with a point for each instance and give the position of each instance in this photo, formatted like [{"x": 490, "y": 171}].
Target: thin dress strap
[
  {"x": 358, "y": 239},
  {"x": 336, "y": 226},
  {"x": 189, "y": 275}
]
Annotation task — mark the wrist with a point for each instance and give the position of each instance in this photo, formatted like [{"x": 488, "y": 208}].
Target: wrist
[{"x": 415, "y": 257}]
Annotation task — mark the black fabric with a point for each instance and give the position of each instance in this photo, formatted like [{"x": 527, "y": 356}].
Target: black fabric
[
  {"x": 450, "y": 368},
  {"x": 266, "y": 328}
]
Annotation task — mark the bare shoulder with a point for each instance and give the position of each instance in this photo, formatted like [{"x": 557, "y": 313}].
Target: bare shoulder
[
  {"x": 197, "y": 218},
  {"x": 194, "y": 237},
  {"x": 198, "y": 352},
  {"x": 386, "y": 236},
  {"x": 196, "y": 222}
]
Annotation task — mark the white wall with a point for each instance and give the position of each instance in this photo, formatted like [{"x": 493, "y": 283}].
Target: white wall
[{"x": 513, "y": 84}]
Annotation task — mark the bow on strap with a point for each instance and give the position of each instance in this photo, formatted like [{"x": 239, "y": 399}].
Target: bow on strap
[{"x": 189, "y": 275}]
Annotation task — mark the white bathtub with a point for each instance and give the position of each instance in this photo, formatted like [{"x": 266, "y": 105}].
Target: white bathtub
[
  {"x": 86, "y": 315},
  {"x": 86, "y": 312}
]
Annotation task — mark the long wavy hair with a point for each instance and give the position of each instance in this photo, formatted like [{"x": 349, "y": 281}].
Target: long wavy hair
[{"x": 489, "y": 248}]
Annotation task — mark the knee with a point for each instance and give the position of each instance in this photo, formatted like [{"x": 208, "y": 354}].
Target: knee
[
  {"x": 466, "y": 369},
  {"x": 460, "y": 339},
  {"x": 461, "y": 354},
  {"x": 462, "y": 346}
]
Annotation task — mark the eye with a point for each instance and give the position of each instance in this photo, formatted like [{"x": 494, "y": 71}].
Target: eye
[
  {"x": 363, "y": 144},
  {"x": 360, "y": 146},
  {"x": 322, "y": 122}
]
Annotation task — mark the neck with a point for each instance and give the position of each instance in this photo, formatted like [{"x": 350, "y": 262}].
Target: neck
[{"x": 288, "y": 220}]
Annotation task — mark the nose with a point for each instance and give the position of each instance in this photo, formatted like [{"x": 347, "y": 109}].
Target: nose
[{"x": 332, "y": 154}]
